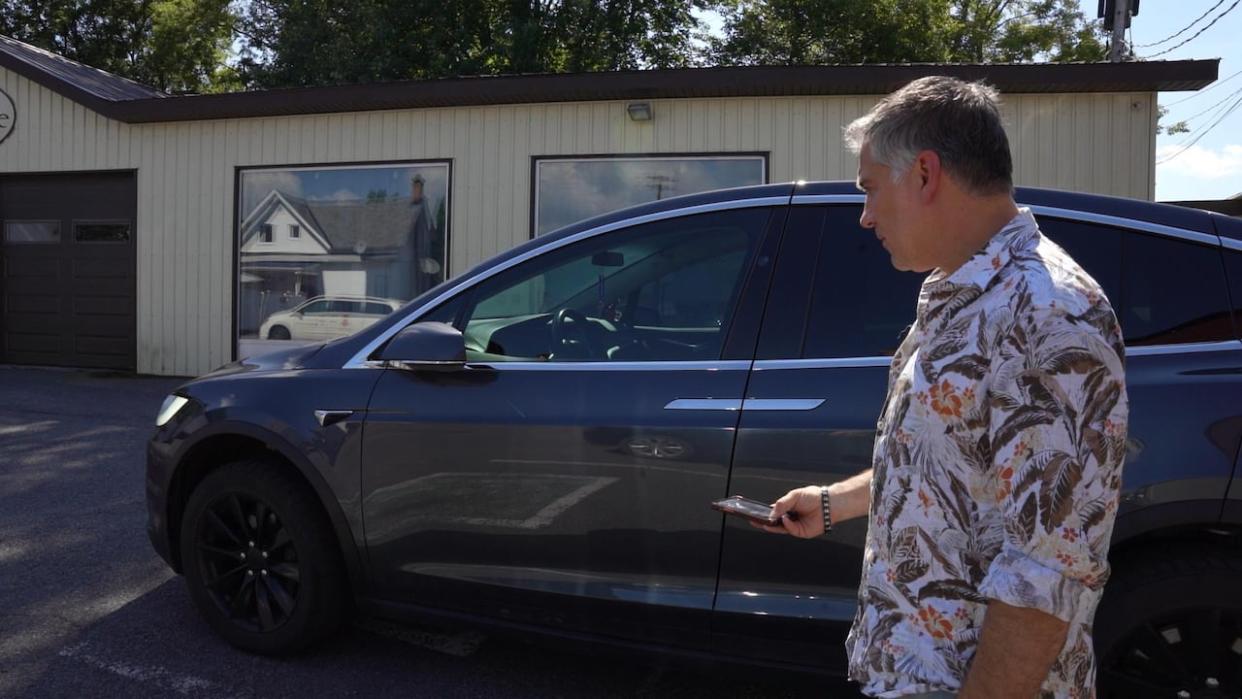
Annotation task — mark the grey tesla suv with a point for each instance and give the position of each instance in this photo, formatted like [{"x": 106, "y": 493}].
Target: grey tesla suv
[{"x": 535, "y": 443}]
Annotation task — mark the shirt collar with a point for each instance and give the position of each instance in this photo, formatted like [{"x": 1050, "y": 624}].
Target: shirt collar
[{"x": 1020, "y": 233}]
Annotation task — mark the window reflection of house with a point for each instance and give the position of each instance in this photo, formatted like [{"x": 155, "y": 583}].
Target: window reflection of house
[{"x": 293, "y": 249}]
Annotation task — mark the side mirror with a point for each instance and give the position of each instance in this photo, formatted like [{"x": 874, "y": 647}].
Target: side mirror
[{"x": 426, "y": 347}]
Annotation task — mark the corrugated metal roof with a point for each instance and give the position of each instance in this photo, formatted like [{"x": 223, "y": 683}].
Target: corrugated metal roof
[
  {"x": 127, "y": 101},
  {"x": 97, "y": 83}
]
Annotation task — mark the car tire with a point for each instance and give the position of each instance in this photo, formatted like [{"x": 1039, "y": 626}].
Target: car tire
[
  {"x": 279, "y": 332},
  {"x": 286, "y": 588},
  {"x": 1170, "y": 624}
]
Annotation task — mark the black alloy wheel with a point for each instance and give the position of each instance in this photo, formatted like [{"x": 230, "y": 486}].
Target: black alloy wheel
[
  {"x": 251, "y": 564},
  {"x": 261, "y": 559},
  {"x": 1194, "y": 654},
  {"x": 1170, "y": 625}
]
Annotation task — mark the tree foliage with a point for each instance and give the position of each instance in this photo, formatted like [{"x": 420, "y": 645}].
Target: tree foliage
[
  {"x": 172, "y": 45},
  {"x": 901, "y": 31},
  {"x": 315, "y": 42}
]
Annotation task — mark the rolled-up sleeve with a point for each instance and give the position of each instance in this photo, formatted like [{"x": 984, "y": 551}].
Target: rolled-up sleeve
[{"x": 1057, "y": 411}]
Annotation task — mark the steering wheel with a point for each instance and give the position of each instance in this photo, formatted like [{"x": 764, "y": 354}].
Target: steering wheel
[{"x": 575, "y": 327}]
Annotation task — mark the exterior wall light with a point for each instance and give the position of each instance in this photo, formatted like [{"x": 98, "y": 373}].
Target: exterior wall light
[{"x": 639, "y": 111}]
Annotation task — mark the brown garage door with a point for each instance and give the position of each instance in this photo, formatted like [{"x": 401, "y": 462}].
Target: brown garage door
[{"x": 67, "y": 260}]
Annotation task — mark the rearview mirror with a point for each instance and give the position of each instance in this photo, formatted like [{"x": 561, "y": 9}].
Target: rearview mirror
[{"x": 426, "y": 346}]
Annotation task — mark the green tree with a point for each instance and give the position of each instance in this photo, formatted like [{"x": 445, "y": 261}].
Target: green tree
[
  {"x": 892, "y": 31},
  {"x": 172, "y": 45},
  {"x": 316, "y": 42}
]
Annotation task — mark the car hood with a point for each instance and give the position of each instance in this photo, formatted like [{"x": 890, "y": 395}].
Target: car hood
[{"x": 278, "y": 360}]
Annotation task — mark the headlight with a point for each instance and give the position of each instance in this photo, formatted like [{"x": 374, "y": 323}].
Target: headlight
[{"x": 172, "y": 405}]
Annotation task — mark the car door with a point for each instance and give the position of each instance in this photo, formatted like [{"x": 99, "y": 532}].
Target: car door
[
  {"x": 836, "y": 312},
  {"x": 565, "y": 477},
  {"x": 310, "y": 323}
]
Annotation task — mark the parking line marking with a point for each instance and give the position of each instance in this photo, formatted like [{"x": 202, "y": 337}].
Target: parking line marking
[{"x": 155, "y": 676}]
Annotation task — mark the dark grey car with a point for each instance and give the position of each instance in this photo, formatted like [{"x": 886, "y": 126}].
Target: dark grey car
[{"x": 535, "y": 443}]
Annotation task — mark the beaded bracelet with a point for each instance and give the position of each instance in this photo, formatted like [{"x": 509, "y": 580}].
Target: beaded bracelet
[{"x": 823, "y": 498}]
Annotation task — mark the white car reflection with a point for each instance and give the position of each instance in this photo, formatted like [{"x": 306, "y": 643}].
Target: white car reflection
[{"x": 327, "y": 317}]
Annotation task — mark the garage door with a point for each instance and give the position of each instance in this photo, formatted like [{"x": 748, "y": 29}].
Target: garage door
[{"x": 67, "y": 261}]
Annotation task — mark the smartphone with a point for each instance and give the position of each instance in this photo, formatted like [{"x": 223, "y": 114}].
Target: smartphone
[{"x": 752, "y": 510}]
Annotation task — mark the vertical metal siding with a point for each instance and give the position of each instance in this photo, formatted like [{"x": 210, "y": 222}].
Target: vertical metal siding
[{"x": 1101, "y": 143}]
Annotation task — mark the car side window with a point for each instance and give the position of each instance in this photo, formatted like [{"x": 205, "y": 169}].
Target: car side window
[
  {"x": 377, "y": 309},
  {"x": 1173, "y": 292},
  {"x": 1096, "y": 248},
  {"x": 315, "y": 308},
  {"x": 661, "y": 291},
  {"x": 1163, "y": 290},
  {"x": 861, "y": 306}
]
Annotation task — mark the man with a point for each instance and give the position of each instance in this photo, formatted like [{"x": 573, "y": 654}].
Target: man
[
  {"x": 423, "y": 235},
  {"x": 998, "y": 454}
]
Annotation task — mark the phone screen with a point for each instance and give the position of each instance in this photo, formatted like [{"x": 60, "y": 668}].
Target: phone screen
[{"x": 744, "y": 507}]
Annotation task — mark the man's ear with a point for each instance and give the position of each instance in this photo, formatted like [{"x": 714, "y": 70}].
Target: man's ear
[{"x": 927, "y": 169}]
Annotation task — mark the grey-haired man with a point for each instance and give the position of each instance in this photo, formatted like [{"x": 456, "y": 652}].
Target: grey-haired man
[{"x": 998, "y": 454}]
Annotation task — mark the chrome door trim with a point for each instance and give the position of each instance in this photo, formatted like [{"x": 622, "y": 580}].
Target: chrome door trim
[
  {"x": 1133, "y": 224},
  {"x": 1231, "y": 243},
  {"x": 1190, "y": 347},
  {"x": 730, "y": 404},
  {"x": 359, "y": 360},
  {"x": 825, "y": 363},
  {"x": 805, "y": 199},
  {"x": 782, "y": 403},
  {"x": 732, "y": 365}
]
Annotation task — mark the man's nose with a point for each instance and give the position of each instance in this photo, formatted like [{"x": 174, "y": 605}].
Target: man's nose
[{"x": 866, "y": 220}]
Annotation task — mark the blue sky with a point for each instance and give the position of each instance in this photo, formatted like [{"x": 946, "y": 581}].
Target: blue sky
[{"x": 1211, "y": 168}]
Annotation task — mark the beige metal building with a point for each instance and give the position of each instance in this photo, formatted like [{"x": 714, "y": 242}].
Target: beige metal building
[{"x": 170, "y": 234}]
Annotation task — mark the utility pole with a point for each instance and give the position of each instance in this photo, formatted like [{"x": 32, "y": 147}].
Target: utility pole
[
  {"x": 1121, "y": 18},
  {"x": 1116, "y": 14}
]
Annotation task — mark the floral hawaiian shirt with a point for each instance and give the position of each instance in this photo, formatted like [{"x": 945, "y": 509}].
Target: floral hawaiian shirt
[{"x": 997, "y": 467}]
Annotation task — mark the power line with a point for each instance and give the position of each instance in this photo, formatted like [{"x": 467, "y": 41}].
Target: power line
[
  {"x": 1233, "y": 94},
  {"x": 1196, "y": 34},
  {"x": 1216, "y": 84},
  {"x": 1184, "y": 29},
  {"x": 1187, "y": 145}
]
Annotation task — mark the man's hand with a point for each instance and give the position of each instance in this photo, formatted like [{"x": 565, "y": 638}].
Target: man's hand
[
  {"x": 847, "y": 499},
  {"x": 1017, "y": 648},
  {"x": 806, "y": 503}
]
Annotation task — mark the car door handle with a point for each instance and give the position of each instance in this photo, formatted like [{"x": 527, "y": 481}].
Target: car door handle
[
  {"x": 782, "y": 403},
  {"x": 331, "y": 417}
]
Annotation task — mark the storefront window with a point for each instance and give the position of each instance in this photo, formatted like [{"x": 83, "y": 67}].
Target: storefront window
[
  {"x": 568, "y": 190},
  {"x": 326, "y": 252}
]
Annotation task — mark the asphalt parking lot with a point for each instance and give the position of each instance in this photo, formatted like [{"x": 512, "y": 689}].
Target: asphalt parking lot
[{"x": 90, "y": 610}]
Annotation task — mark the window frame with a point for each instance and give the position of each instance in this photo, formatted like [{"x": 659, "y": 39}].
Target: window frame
[
  {"x": 461, "y": 290},
  {"x": 240, "y": 170},
  {"x": 536, "y": 160}
]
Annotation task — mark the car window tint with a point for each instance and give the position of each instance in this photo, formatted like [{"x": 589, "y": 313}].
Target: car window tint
[
  {"x": 1233, "y": 269},
  {"x": 784, "y": 318},
  {"x": 860, "y": 305},
  {"x": 316, "y": 307},
  {"x": 377, "y": 309},
  {"x": 660, "y": 291},
  {"x": 1173, "y": 292},
  {"x": 1096, "y": 248}
]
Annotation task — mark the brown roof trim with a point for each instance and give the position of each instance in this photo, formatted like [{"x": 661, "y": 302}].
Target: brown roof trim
[{"x": 743, "y": 81}]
